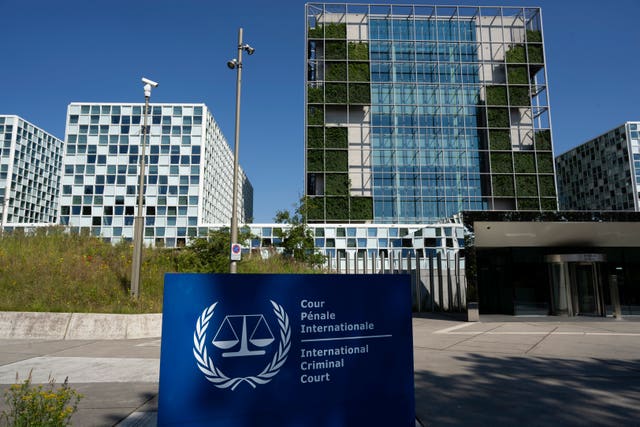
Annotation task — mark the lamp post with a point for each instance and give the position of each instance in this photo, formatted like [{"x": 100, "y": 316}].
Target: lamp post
[
  {"x": 138, "y": 222},
  {"x": 236, "y": 64}
]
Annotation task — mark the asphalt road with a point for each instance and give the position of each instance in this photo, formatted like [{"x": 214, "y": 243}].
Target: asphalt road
[{"x": 501, "y": 371}]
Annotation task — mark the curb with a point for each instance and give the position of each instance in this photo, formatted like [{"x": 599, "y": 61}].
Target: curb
[{"x": 79, "y": 326}]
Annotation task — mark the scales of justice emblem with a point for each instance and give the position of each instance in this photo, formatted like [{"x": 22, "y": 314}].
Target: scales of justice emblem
[{"x": 255, "y": 335}]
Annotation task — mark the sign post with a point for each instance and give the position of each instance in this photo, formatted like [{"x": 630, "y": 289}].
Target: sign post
[{"x": 286, "y": 350}]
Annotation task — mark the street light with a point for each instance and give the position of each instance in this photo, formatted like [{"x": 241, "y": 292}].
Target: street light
[
  {"x": 236, "y": 64},
  {"x": 138, "y": 222}
]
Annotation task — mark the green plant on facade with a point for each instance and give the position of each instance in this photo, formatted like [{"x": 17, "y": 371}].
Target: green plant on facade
[
  {"x": 534, "y": 36},
  {"x": 315, "y": 115},
  {"x": 336, "y": 184},
  {"x": 496, "y": 95},
  {"x": 535, "y": 54},
  {"x": 359, "y": 72},
  {"x": 336, "y": 137},
  {"x": 315, "y": 137},
  {"x": 330, "y": 31},
  {"x": 337, "y": 208},
  {"x": 336, "y": 93},
  {"x": 361, "y": 208},
  {"x": 547, "y": 186},
  {"x": 335, "y": 31},
  {"x": 40, "y": 406},
  {"x": 519, "y": 96},
  {"x": 336, "y": 160},
  {"x": 314, "y": 208},
  {"x": 498, "y": 117},
  {"x": 545, "y": 162},
  {"x": 516, "y": 54},
  {"x": 335, "y": 50},
  {"x": 358, "y": 51},
  {"x": 499, "y": 139},
  {"x": 501, "y": 163},
  {"x": 502, "y": 186},
  {"x": 315, "y": 160},
  {"x": 517, "y": 75},
  {"x": 315, "y": 95},
  {"x": 548, "y": 204},
  {"x": 359, "y": 93},
  {"x": 542, "y": 140},
  {"x": 528, "y": 204},
  {"x": 526, "y": 186},
  {"x": 336, "y": 71},
  {"x": 524, "y": 162}
]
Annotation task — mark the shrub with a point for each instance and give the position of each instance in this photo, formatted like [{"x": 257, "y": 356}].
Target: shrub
[
  {"x": 517, "y": 75},
  {"x": 519, "y": 96},
  {"x": 337, "y": 137},
  {"x": 496, "y": 95},
  {"x": 315, "y": 160},
  {"x": 545, "y": 162},
  {"x": 516, "y": 54},
  {"x": 335, "y": 50},
  {"x": 361, "y": 208},
  {"x": 498, "y": 117},
  {"x": 315, "y": 95},
  {"x": 336, "y": 161},
  {"x": 336, "y": 93},
  {"x": 502, "y": 185},
  {"x": 526, "y": 185},
  {"x": 42, "y": 406},
  {"x": 359, "y": 93},
  {"x": 499, "y": 139},
  {"x": 358, "y": 51},
  {"x": 534, "y": 36},
  {"x": 501, "y": 163},
  {"x": 359, "y": 72},
  {"x": 524, "y": 162},
  {"x": 315, "y": 137},
  {"x": 535, "y": 54},
  {"x": 336, "y": 71}
]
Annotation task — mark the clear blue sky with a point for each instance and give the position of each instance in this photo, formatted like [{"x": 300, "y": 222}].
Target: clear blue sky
[{"x": 56, "y": 52}]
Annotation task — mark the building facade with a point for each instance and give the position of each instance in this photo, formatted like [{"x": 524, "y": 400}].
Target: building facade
[
  {"x": 30, "y": 161},
  {"x": 603, "y": 173},
  {"x": 415, "y": 113},
  {"x": 188, "y": 178}
]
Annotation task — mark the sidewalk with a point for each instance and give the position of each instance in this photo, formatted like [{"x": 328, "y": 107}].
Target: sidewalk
[{"x": 495, "y": 372}]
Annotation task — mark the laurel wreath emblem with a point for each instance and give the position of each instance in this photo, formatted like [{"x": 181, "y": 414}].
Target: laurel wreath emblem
[{"x": 216, "y": 376}]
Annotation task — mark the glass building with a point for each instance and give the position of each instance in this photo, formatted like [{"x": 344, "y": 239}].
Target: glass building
[
  {"x": 30, "y": 161},
  {"x": 188, "y": 178},
  {"x": 603, "y": 173},
  {"x": 415, "y": 113}
]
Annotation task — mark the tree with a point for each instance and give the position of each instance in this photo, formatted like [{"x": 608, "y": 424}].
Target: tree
[
  {"x": 211, "y": 254},
  {"x": 297, "y": 239}
]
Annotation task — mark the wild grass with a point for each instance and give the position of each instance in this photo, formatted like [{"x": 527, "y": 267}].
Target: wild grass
[{"x": 55, "y": 271}]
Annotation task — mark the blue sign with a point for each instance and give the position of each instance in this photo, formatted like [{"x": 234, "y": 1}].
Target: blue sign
[{"x": 286, "y": 350}]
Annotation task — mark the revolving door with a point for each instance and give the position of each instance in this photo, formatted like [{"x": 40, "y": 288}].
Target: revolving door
[{"x": 576, "y": 284}]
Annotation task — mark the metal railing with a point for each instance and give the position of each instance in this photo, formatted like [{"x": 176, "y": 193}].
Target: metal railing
[{"x": 438, "y": 280}]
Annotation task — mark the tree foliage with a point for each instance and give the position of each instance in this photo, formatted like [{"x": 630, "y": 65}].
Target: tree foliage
[
  {"x": 211, "y": 254},
  {"x": 297, "y": 240}
]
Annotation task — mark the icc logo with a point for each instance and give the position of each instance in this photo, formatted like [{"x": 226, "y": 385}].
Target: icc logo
[{"x": 243, "y": 335}]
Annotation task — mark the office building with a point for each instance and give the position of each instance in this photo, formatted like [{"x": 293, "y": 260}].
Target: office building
[
  {"x": 603, "y": 173},
  {"x": 415, "y": 113},
  {"x": 30, "y": 161},
  {"x": 188, "y": 178}
]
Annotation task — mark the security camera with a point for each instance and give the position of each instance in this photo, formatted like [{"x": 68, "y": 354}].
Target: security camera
[
  {"x": 232, "y": 64},
  {"x": 149, "y": 82}
]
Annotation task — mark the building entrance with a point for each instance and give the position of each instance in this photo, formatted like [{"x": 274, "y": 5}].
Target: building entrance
[{"x": 576, "y": 284}]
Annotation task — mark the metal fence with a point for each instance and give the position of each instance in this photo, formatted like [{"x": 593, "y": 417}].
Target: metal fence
[{"x": 438, "y": 280}]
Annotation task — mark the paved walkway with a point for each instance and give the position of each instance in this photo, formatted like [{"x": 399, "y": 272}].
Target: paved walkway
[{"x": 501, "y": 371}]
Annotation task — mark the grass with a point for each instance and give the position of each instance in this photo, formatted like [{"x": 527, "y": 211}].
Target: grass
[{"x": 55, "y": 271}]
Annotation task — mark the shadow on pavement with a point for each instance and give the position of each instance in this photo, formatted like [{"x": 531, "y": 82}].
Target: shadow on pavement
[{"x": 524, "y": 391}]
